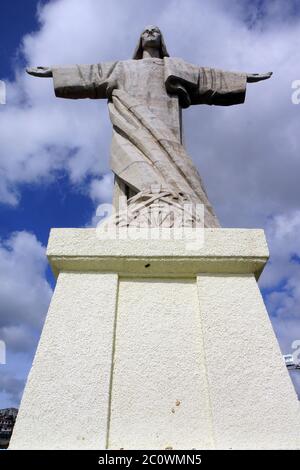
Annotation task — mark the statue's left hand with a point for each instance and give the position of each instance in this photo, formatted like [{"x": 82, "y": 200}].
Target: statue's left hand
[
  {"x": 39, "y": 71},
  {"x": 257, "y": 77}
]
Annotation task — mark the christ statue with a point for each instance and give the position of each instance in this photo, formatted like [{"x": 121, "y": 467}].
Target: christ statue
[{"x": 146, "y": 96}]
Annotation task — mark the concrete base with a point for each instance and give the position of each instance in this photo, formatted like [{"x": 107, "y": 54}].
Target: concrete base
[{"x": 153, "y": 345}]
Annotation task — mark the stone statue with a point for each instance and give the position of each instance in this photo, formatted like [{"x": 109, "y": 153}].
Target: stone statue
[{"x": 145, "y": 99}]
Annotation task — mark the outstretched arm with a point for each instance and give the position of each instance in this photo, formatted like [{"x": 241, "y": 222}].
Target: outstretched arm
[
  {"x": 80, "y": 81},
  {"x": 206, "y": 85},
  {"x": 257, "y": 77},
  {"x": 40, "y": 71}
]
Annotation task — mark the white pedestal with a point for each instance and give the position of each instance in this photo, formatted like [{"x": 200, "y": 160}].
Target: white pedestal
[{"x": 152, "y": 345}]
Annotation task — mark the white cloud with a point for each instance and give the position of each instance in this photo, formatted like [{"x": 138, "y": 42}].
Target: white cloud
[
  {"x": 281, "y": 276},
  {"x": 11, "y": 388},
  {"x": 282, "y": 233},
  {"x": 281, "y": 279},
  {"x": 101, "y": 190},
  {"x": 18, "y": 338},
  {"x": 24, "y": 291},
  {"x": 24, "y": 298}
]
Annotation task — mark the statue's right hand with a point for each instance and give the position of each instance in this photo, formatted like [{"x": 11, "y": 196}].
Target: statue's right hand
[{"x": 39, "y": 71}]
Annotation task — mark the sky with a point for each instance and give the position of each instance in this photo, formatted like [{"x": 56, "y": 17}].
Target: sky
[{"x": 54, "y": 154}]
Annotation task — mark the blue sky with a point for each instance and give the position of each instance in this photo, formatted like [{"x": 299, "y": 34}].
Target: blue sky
[
  {"x": 58, "y": 204},
  {"x": 17, "y": 19},
  {"x": 54, "y": 154}
]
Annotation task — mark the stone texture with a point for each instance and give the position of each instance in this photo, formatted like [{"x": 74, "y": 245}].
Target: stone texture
[
  {"x": 160, "y": 395},
  {"x": 219, "y": 250},
  {"x": 66, "y": 399},
  {"x": 253, "y": 402},
  {"x": 151, "y": 345}
]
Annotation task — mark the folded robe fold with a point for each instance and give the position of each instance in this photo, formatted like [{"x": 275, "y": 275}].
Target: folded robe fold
[{"x": 145, "y": 111}]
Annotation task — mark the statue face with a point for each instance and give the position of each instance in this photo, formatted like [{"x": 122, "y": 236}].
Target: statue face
[{"x": 151, "y": 37}]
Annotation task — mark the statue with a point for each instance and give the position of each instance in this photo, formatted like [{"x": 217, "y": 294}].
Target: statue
[{"x": 146, "y": 96}]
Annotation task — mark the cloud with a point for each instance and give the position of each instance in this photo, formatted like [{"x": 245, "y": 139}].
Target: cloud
[
  {"x": 24, "y": 291},
  {"x": 101, "y": 190},
  {"x": 101, "y": 193},
  {"x": 281, "y": 282},
  {"x": 18, "y": 338},
  {"x": 281, "y": 277},
  {"x": 60, "y": 135},
  {"x": 24, "y": 298},
  {"x": 283, "y": 236},
  {"x": 11, "y": 387}
]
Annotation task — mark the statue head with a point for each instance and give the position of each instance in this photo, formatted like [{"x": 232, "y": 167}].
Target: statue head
[{"x": 151, "y": 37}]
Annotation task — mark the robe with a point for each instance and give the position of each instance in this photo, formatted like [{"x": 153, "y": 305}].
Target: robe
[{"x": 145, "y": 101}]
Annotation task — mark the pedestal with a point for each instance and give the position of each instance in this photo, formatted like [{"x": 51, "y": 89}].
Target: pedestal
[{"x": 151, "y": 345}]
